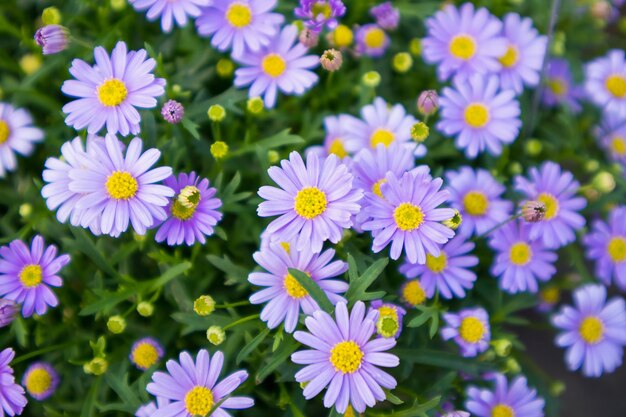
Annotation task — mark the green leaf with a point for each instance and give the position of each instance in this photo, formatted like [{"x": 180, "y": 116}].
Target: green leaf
[
  {"x": 392, "y": 398},
  {"x": 360, "y": 284},
  {"x": 281, "y": 355},
  {"x": 251, "y": 346},
  {"x": 85, "y": 245},
  {"x": 190, "y": 127},
  {"x": 224, "y": 264},
  {"x": 123, "y": 390},
  {"x": 442, "y": 359},
  {"x": 89, "y": 405},
  {"x": 313, "y": 289},
  {"x": 416, "y": 409}
]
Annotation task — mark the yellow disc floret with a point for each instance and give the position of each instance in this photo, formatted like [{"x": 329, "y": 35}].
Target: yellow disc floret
[
  {"x": 463, "y": 47},
  {"x": 346, "y": 357},
  {"x": 475, "y": 203},
  {"x": 274, "y": 65},
  {"x": 436, "y": 263},
  {"x": 145, "y": 355},
  {"x": 38, "y": 381},
  {"x": 384, "y": 136},
  {"x": 502, "y": 410},
  {"x": 239, "y": 15},
  {"x": 520, "y": 253},
  {"x": 342, "y": 36},
  {"x": 476, "y": 115},
  {"x": 618, "y": 145},
  {"x": 552, "y": 205},
  {"x": 293, "y": 287},
  {"x": 121, "y": 185},
  {"x": 336, "y": 148},
  {"x": 591, "y": 330},
  {"x": 616, "y": 84},
  {"x": 374, "y": 38},
  {"x": 510, "y": 57},
  {"x": 471, "y": 330},
  {"x": 4, "y": 132},
  {"x": 31, "y": 275},
  {"x": 558, "y": 86},
  {"x": 617, "y": 249},
  {"x": 413, "y": 293},
  {"x": 408, "y": 217},
  {"x": 112, "y": 92},
  {"x": 199, "y": 401},
  {"x": 376, "y": 187},
  {"x": 310, "y": 202}
]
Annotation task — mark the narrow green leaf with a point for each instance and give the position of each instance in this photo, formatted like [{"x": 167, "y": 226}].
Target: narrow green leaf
[
  {"x": 359, "y": 285},
  {"x": 283, "y": 353},
  {"x": 419, "y": 320},
  {"x": 313, "y": 289},
  {"x": 251, "y": 346},
  {"x": 89, "y": 406},
  {"x": 226, "y": 265},
  {"x": 168, "y": 275},
  {"x": 190, "y": 127},
  {"x": 434, "y": 325},
  {"x": 442, "y": 359},
  {"x": 123, "y": 390},
  {"x": 84, "y": 244},
  {"x": 392, "y": 398}
]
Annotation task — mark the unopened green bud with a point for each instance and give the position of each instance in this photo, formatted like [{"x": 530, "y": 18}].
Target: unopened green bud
[
  {"x": 402, "y": 62},
  {"x": 557, "y": 388},
  {"x": 215, "y": 335},
  {"x": 502, "y": 347},
  {"x": 255, "y": 105},
  {"x": 51, "y": 16},
  {"x": 604, "y": 182},
  {"x": 592, "y": 165},
  {"x": 97, "y": 366},
  {"x": 118, "y": 4},
  {"x": 415, "y": 46},
  {"x": 225, "y": 68},
  {"x": 420, "y": 132},
  {"x": 116, "y": 324},
  {"x": 216, "y": 113},
  {"x": 26, "y": 210},
  {"x": 371, "y": 79},
  {"x": 533, "y": 147},
  {"x": 145, "y": 309},
  {"x": 204, "y": 305},
  {"x": 512, "y": 366},
  {"x": 219, "y": 149},
  {"x": 273, "y": 156}
]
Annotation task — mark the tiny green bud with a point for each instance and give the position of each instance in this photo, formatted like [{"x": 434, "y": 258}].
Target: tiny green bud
[
  {"x": 273, "y": 156},
  {"x": 558, "y": 44},
  {"x": 455, "y": 221},
  {"x": 118, "y": 4},
  {"x": 512, "y": 366},
  {"x": 533, "y": 147},
  {"x": 592, "y": 165},
  {"x": 420, "y": 132},
  {"x": 604, "y": 182},
  {"x": 225, "y": 68},
  {"x": 515, "y": 168},
  {"x": 97, "y": 366},
  {"x": 204, "y": 305},
  {"x": 51, "y": 16},
  {"x": 145, "y": 309},
  {"x": 30, "y": 63},
  {"x": 371, "y": 79},
  {"x": 387, "y": 326},
  {"x": 26, "y": 210},
  {"x": 219, "y": 149},
  {"x": 502, "y": 347},
  {"x": 215, "y": 335},
  {"x": 216, "y": 113},
  {"x": 415, "y": 46},
  {"x": 402, "y": 62},
  {"x": 116, "y": 324},
  {"x": 255, "y": 105},
  {"x": 557, "y": 388}
]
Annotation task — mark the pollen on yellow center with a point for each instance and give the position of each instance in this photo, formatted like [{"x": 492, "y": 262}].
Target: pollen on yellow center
[
  {"x": 616, "y": 84},
  {"x": 408, "y": 217},
  {"x": 558, "y": 86},
  {"x": 471, "y": 330},
  {"x": 310, "y": 202},
  {"x": 476, "y": 115},
  {"x": 121, "y": 185},
  {"x": 510, "y": 57},
  {"x": 112, "y": 92},
  {"x": 4, "y": 132},
  {"x": 374, "y": 38},
  {"x": 321, "y": 8},
  {"x": 293, "y": 287},
  {"x": 199, "y": 401},
  {"x": 346, "y": 357},
  {"x": 376, "y": 187},
  {"x": 617, "y": 249},
  {"x": 336, "y": 148},
  {"x": 145, "y": 355},
  {"x": 274, "y": 65},
  {"x": 591, "y": 330},
  {"x": 239, "y": 15},
  {"x": 31, "y": 276},
  {"x": 38, "y": 381},
  {"x": 463, "y": 47},
  {"x": 186, "y": 203},
  {"x": 476, "y": 203},
  {"x": 436, "y": 263},
  {"x": 413, "y": 293},
  {"x": 502, "y": 410},
  {"x": 384, "y": 136},
  {"x": 552, "y": 205},
  {"x": 618, "y": 145},
  {"x": 520, "y": 253}
]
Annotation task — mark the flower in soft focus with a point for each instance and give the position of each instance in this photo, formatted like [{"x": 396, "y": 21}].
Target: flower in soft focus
[
  {"x": 428, "y": 102},
  {"x": 27, "y": 274},
  {"x": 52, "y": 38},
  {"x": 520, "y": 262},
  {"x": 40, "y": 380},
  {"x": 387, "y": 16},
  {"x": 12, "y": 399},
  {"x": 145, "y": 353},
  {"x": 318, "y": 14},
  {"x": 593, "y": 331},
  {"x": 560, "y": 88},
  {"x": 282, "y": 65},
  {"x": 17, "y": 136},
  {"x": 315, "y": 201},
  {"x": 8, "y": 311},
  {"x": 533, "y": 211},
  {"x": 463, "y": 41},
  {"x": 225, "y": 68},
  {"x": 549, "y": 296},
  {"x": 170, "y": 11},
  {"x": 480, "y": 115},
  {"x": 457, "y": 414},
  {"x": 109, "y": 91},
  {"x": 331, "y": 60},
  {"x": 342, "y": 356},
  {"x": 470, "y": 330},
  {"x": 611, "y": 135},
  {"x": 389, "y": 322},
  {"x": 557, "y": 190},
  {"x": 204, "y": 305},
  {"x": 149, "y": 410},
  {"x": 243, "y": 25},
  {"x": 513, "y": 399},
  {"x": 172, "y": 111},
  {"x": 371, "y": 40},
  {"x": 412, "y": 293},
  {"x": 605, "y": 82},
  {"x": 308, "y": 38},
  {"x": 215, "y": 335},
  {"x": 335, "y": 139},
  {"x": 30, "y": 63},
  {"x": 341, "y": 37},
  {"x": 477, "y": 196},
  {"x": 284, "y": 295},
  {"x": 192, "y": 387},
  {"x": 448, "y": 273}
]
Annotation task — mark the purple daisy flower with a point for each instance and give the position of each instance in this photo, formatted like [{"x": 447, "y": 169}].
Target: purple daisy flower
[
  {"x": 12, "y": 399},
  {"x": 447, "y": 273},
  {"x": 193, "y": 210},
  {"x": 40, "y": 380},
  {"x": 109, "y": 92},
  {"x": 52, "y": 38},
  {"x": 335, "y": 142},
  {"x": 469, "y": 328},
  {"x": 387, "y": 16},
  {"x": 389, "y": 322},
  {"x": 560, "y": 88},
  {"x": 611, "y": 134},
  {"x": 407, "y": 216},
  {"x": 344, "y": 359},
  {"x": 606, "y": 245},
  {"x": 285, "y": 297},
  {"x": 520, "y": 261},
  {"x": 145, "y": 353},
  {"x": 192, "y": 387},
  {"x": 480, "y": 115},
  {"x": 463, "y": 41},
  {"x": 281, "y": 65},
  {"x": 594, "y": 331},
  {"x": 506, "y": 400},
  {"x": 240, "y": 24},
  {"x": 371, "y": 40},
  {"x": 522, "y": 62},
  {"x": 17, "y": 136},
  {"x": 121, "y": 189},
  {"x": 556, "y": 189},
  {"x": 148, "y": 410},
  {"x": 315, "y": 202},
  {"x": 605, "y": 82},
  {"x": 170, "y": 11},
  {"x": 25, "y": 275},
  {"x": 319, "y": 13},
  {"x": 8, "y": 311}
]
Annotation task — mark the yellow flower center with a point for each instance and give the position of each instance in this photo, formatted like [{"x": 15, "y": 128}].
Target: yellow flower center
[
  {"x": 274, "y": 65},
  {"x": 145, "y": 355},
  {"x": 502, "y": 410},
  {"x": 510, "y": 57},
  {"x": 475, "y": 203},
  {"x": 336, "y": 148},
  {"x": 186, "y": 203},
  {"x": 616, "y": 84},
  {"x": 112, "y": 92},
  {"x": 4, "y": 131},
  {"x": 520, "y": 253},
  {"x": 463, "y": 47},
  {"x": 350, "y": 412},
  {"x": 387, "y": 326},
  {"x": 346, "y": 357},
  {"x": 310, "y": 202},
  {"x": 383, "y": 136},
  {"x": 376, "y": 187},
  {"x": 293, "y": 287},
  {"x": 552, "y": 205},
  {"x": 239, "y": 15},
  {"x": 321, "y": 8},
  {"x": 38, "y": 381},
  {"x": 413, "y": 293},
  {"x": 471, "y": 330},
  {"x": 618, "y": 145},
  {"x": 558, "y": 86},
  {"x": 121, "y": 185},
  {"x": 374, "y": 38},
  {"x": 199, "y": 401},
  {"x": 550, "y": 295},
  {"x": 343, "y": 36},
  {"x": 387, "y": 311},
  {"x": 408, "y": 217},
  {"x": 591, "y": 330},
  {"x": 476, "y": 115},
  {"x": 286, "y": 246},
  {"x": 31, "y": 276},
  {"x": 617, "y": 249},
  {"x": 436, "y": 263}
]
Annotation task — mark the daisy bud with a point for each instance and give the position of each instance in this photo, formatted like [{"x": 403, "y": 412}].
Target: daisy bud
[
  {"x": 215, "y": 335},
  {"x": 255, "y": 105},
  {"x": 415, "y": 46},
  {"x": 8, "y": 310},
  {"x": 52, "y": 38},
  {"x": 219, "y": 149},
  {"x": 387, "y": 325},
  {"x": 309, "y": 38},
  {"x": 371, "y": 79},
  {"x": 512, "y": 366},
  {"x": 216, "y": 113},
  {"x": 189, "y": 197},
  {"x": 502, "y": 347},
  {"x": 204, "y": 305},
  {"x": 387, "y": 16},
  {"x": 557, "y": 388},
  {"x": 116, "y": 324},
  {"x": 604, "y": 182},
  {"x": 97, "y": 366},
  {"x": 455, "y": 221},
  {"x": 30, "y": 63},
  {"x": 420, "y": 132},
  {"x": 601, "y": 10},
  {"x": 51, "y": 16},
  {"x": 172, "y": 111},
  {"x": 412, "y": 293},
  {"x": 341, "y": 37},
  {"x": 592, "y": 165},
  {"x": 118, "y": 5},
  {"x": 25, "y": 210},
  {"x": 402, "y": 62},
  {"x": 331, "y": 60},
  {"x": 428, "y": 102},
  {"x": 533, "y": 147},
  {"x": 534, "y": 211},
  {"x": 225, "y": 68},
  {"x": 145, "y": 309},
  {"x": 273, "y": 157}
]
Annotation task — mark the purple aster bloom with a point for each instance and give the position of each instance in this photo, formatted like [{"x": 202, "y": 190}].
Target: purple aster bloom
[
  {"x": 109, "y": 92},
  {"x": 12, "y": 399},
  {"x": 192, "y": 387},
  {"x": 611, "y": 134},
  {"x": 146, "y": 353},
  {"x": 447, "y": 273},
  {"x": 506, "y": 400},
  {"x": 457, "y": 414},
  {"x": 480, "y": 115},
  {"x": 605, "y": 82},
  {"x": 407, "y": 216},
  {"x": 172, "y": 111},
  {"x": 319, "y": 13},
  {"x": 8, "y": 311},
  {"x": 148, "y": 410},
  {"x": 170, "y": 10},
  {"x": 520, "y": 261},
  {"x": 315, "y": 201},
  {"x": 389, "y": 322},
  {"x": 606, "y": 245},
  {"x": 371, "y": 40},
  {"x": 17, "y": 136},
  {"x": 52, "y": 38},
  {"x": 344, "y": 359},
  {"x": 335, "y": 141},
  {"x": 463, "y": 41},
  {"x": 556, "y": 189},
  {"x": 281, "y": 65},
  {"x": 40, "y": 380},
  {"x": 470, "y": 330},
  {"x": 285, "y": 297},
  {"x": 594, "y": 331},
  {"x": 193, "y": 210},
  {"x": 477, "y": 196},
  {"x": 560, "y": 88},
  {"x": 387, "y": 16},
  {"x": 121, "y": 189},
  {"x": 243, "y": 25},
  {"x": 522, "y": 62},
  {"x": 25, "y": 275}
]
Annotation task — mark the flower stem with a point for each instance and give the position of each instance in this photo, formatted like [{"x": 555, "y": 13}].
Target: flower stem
[{"x": 240, "y": 321}]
